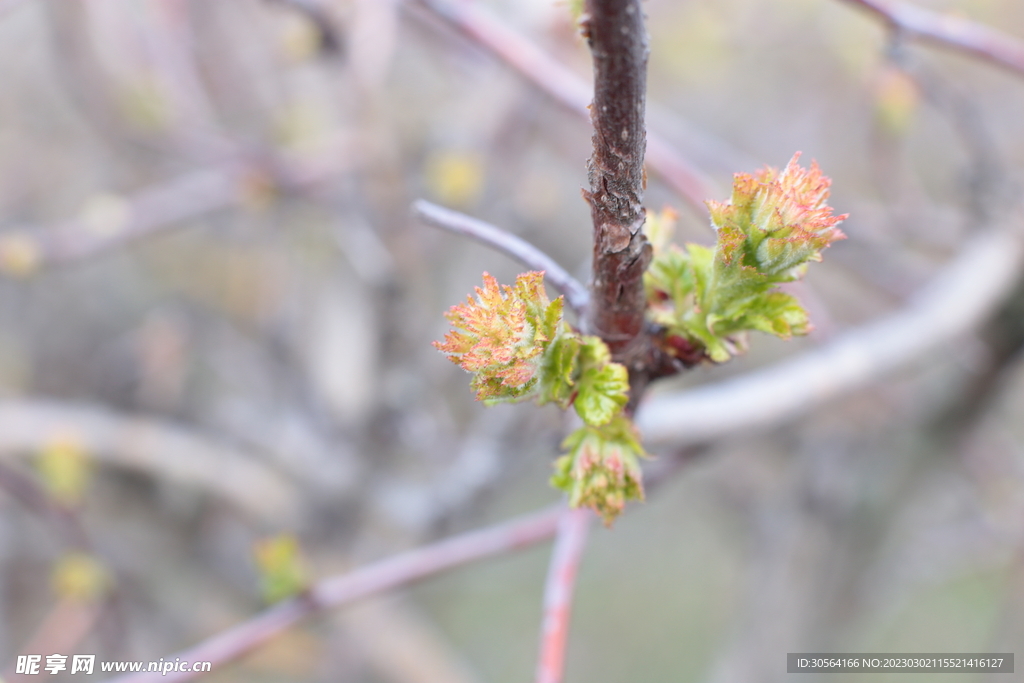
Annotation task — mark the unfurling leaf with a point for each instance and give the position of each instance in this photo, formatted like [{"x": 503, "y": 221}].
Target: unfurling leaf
[
  {"x": 701, "y": 300},
  {"x": 517, "y": 345},
  {"x": 602, "y": 468},
  {"x": 603, "y": 385},
  {"x": 501, "y": 336},
  {"x": 558, "y": 371},
  {"x": 779, "y": 220},
  {"x": 775, "y": 223},
  {"x": 660, "y": 226}
]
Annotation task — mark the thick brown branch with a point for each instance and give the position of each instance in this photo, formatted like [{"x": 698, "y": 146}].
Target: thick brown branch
[
  {"x": 615, "y": 31},
  {"x": 949, "y": 31},
  {"x": 567, "y": 89}
]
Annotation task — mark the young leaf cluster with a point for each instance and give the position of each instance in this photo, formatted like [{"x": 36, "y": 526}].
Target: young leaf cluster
[
  {"x": 775, "y": 223},
  {"x": 517, "y": 345},
  {"x": 602, "y": 467}
]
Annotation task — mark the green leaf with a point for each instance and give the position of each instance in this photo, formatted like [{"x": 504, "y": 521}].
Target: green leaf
[
  {"x": 775, "y": 224},
  {"x": 670, "y": 276},
  {"x": 551, "y": 323},
  {"x": 494, "y": 391},
  {"x": 558, "y": 368},
  {"x": 518, "y": 346},
  {"x": 505, "y": 337},
  {"x": 603, "y": 386},
  {"x": 779, "y": 314},
  {"x": 602, "y": 467}
]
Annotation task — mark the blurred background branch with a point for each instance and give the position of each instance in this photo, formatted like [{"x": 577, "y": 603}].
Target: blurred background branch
[
  {"x": 386, "y": 574},
  {"x": 564, "y": 86},
  {"x": 949, "y": 31},
  {"x": 160, "y": 450}
]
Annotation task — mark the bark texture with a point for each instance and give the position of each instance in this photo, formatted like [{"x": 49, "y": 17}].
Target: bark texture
[{"x": 618, "y": 42}]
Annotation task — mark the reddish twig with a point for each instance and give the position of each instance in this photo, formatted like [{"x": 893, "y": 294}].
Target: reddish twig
[
  {"x": 565, "y": 562},
  {"x": 576, "y": 294},
  {"x": 565, "y": 88},
  {"x": 374, "y": 578},
  {"x": 949, "y": 31}
]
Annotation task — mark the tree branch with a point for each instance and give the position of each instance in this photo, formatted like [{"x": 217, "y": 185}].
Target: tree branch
[
  {"x": 576, "y": 295},
  {"x": 413, "y": 565},
  {"x": 373, "y": 578},
  {"x": 161, "y": 207},
  {"x": 31, "y": 496},
  {"x": 160, "y": 449},
  {"x": 565, "y": 88},
  {"x": 615, "y": 31},
  {"x": 558, "y": 590},
  {"x": 956, "y": 301},
  {"x": 949, "y": 31}
]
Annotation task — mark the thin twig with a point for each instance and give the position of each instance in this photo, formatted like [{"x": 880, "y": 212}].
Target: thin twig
[
  {"x": 193, "y": 122},
  {"x": 405, "y": 568},
  {"x": 72, "y": 618},
  {"x": 371, "y": 579},
  {"x": 576, "y": 294},
  {"x": 566, "y": 89},
  {"x": 31, "y": 496},
  {"x": 949, "y": 31},
  {"x": 956, "y": 301},
  {"x": 163, "y": 206},
  {"x": 558, "y": 591}
]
